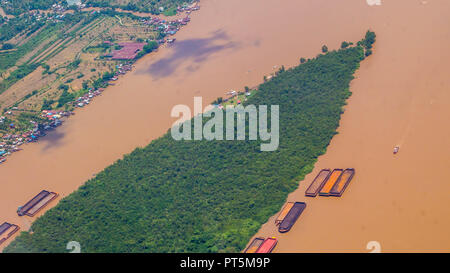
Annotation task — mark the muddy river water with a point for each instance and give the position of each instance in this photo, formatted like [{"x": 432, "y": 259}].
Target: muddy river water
[{"x": 400, "y": 97}]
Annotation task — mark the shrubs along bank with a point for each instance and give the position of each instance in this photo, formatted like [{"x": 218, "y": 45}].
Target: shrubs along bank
[{"x": 204, "y": 196}]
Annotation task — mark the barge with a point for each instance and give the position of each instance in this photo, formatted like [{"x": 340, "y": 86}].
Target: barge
[
  {"x": 37, "y": 203},
  {"x": 267, "y": 246},
  {"x": 292, "y": 217},
  {"x": 284, "y": 212},
  {"x": 7, "y": 230},
  {"x": 253, "y": 247},
  {"x": 332, "y": 179},
  {"x": 318, "y": 183},
  {"x": 340, "y": 186}
]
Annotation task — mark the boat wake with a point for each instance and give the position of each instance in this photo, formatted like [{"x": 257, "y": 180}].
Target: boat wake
[{"x": 373, "y": 2}]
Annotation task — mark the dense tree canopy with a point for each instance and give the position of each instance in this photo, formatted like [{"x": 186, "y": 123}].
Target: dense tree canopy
[{"x": 204, "y": 196}]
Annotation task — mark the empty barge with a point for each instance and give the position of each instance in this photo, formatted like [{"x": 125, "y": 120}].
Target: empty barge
[
  {"x": 267, "y": 246},
  {"x": 7, "y": 230},
  {"x": 37, "y": 203},
  {"x": 253, "y": 247},
  {"x": 340, "y": 186},
  {"x": 332, "y": 179},
  {"x": 291, "y": 217},
  {"x": 284, "y": 212},
  {"x": 318, "y": 183}
]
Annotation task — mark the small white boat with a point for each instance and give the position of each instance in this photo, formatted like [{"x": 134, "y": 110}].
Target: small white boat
[{"x": 396, "y": 148}]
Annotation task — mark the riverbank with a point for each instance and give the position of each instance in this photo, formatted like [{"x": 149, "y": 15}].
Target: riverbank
[{"x": 14, "y": 136}]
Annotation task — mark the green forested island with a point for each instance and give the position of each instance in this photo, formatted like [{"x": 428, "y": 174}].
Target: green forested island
[{"x": 205, "y": 196}]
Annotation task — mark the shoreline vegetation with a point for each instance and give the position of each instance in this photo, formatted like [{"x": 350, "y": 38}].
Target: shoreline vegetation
[
  {"x": 166, "y": 7},
  {"x": 206, "y": 196},
  {"x": 55, "y": 58}
]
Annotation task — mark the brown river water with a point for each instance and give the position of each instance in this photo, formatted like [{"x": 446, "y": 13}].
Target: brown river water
[{"x": 400, "y": 97}]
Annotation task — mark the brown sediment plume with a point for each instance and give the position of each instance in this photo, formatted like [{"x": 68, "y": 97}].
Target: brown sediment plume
[{"x": 400, "y": 97}]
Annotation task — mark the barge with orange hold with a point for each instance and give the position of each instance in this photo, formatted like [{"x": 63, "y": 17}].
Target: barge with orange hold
[
  {"x": 284, "y": 212},
  {"x": 255, "y": 244},
  {"x": 332, "y": 179},
  {"x": 340, "y": 186},
  {"x": 318, "y": 183},
  {"x": 292, "y": 217}
]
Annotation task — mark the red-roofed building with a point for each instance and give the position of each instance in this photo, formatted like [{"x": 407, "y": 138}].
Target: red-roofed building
[{"x": 128, "y": 51}]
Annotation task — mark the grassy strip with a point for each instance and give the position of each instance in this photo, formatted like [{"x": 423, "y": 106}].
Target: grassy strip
[{"x": 9, "y": 60}]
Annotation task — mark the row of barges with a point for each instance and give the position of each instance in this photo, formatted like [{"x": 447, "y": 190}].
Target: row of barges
[
  {"x": 7, "y": 230},
  {"x": 31, "y": 208},
  {"x": 326, "y": 183},
  {"x": 330, "y": 183},
  {"x": 261, "y": 245},
  {"x": 285, "y": 220}
]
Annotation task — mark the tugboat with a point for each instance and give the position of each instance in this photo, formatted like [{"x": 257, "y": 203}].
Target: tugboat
[
  {"x": 19, "y": 211},
  {"x": 396, "y": 148}
]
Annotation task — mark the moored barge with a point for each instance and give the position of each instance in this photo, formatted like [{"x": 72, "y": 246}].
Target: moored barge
[
  {"x": 7, "y": 230},
  {"x": 267, "y": 246},
  {"x": 332, "y": 179},
  {"x": 284, "y": 212},
  {"x": 253, "y": 247},
  {"x": 340, "y": 186},
  {"x": 37, "y": 203},
  {"x": 292, "y": 217},
  {"x": 318, "y": 183}
]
